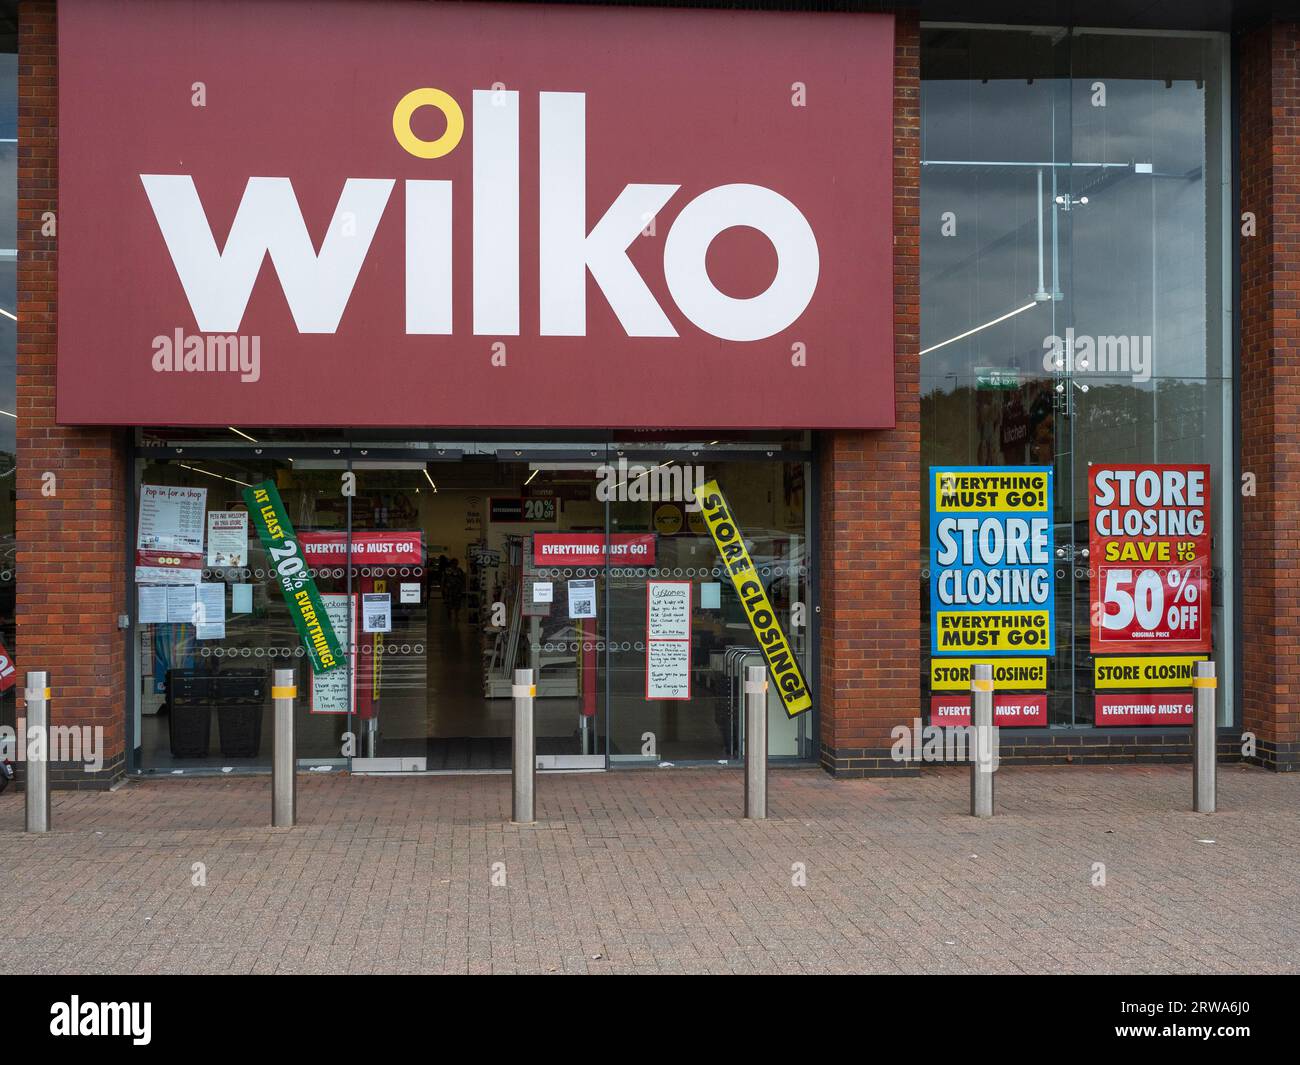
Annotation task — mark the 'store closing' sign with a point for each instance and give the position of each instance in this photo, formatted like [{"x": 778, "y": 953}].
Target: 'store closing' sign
[
  {"x": 1150, "y": 539},
  {"x": 991, "y": 547},
  {"x": 781, "y": 660}
]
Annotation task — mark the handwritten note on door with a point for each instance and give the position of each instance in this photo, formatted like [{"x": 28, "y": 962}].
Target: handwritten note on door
[{"x": 668, "y": 640}]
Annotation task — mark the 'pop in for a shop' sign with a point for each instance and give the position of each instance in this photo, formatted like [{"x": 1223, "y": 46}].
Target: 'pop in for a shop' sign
[{"x": 991, "y": 551}]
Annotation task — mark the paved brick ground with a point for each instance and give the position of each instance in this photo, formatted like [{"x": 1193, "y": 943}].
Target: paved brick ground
[{"x": 653, "y": 872}]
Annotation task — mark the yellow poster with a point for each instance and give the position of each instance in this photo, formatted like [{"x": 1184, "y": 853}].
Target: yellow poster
[
  {"x": 1146, "y": 671},
  {"x": 781, "y": 660},
  {"x": 1009, "y": 674}
]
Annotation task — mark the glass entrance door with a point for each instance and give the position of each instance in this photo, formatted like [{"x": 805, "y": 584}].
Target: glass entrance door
[{"x": 453, "y": 592}]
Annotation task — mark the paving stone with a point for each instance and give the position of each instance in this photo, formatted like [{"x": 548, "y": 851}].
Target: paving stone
[{"x": 655, "y": 872}]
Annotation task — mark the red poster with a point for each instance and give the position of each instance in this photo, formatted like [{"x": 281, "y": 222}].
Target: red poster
[
  {"x": 588, "y": 549},
  {"x": 368, "y": 548},
  {"x": 411, "y": 214},
  {"x": 1009, "y": 711},
  {"x": 1149, "y": 540},
  {"x": 1160, "y": 708},
  {"x": 8, "y": 671}
]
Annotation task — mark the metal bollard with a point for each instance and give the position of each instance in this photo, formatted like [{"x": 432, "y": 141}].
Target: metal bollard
[
  {"x": 756, "y": 742},
  {"x": 1204, "y": 731},
  {"x": 284, "y": 779},
  {"x": 981, "y": 754},
  {"x": 524, "y": 754},
  {"x": 37, "y": 770}
]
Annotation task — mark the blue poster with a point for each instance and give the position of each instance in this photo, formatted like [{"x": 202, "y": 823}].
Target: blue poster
[{"x": 992, "y": 557}]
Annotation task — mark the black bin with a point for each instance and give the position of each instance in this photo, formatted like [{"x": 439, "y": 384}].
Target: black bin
[
  {"x": 189, "y": 717},
  {"x": 239, "y": 696}
]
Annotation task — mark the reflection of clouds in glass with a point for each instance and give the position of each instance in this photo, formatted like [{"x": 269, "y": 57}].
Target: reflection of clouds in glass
[
  {"x": 1132, "y": 262},
  {"x": 988, "y": 269},
  {"x": 957, "y": 117}
]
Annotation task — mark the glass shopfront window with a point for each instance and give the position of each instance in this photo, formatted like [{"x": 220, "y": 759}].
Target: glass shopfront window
[
  {"x": 445, "y": 567},
  {"x": 1074, "y": 199}
]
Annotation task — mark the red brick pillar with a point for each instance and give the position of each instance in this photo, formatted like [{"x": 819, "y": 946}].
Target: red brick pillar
[
  {"x": 870, "y": 521},
  {"x": 1269, "y": 91},
  {"x": 71, "y": 527}
]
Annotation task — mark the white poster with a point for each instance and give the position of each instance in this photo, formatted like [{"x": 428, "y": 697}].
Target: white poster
[
  {"x": 152, "y": 609},
  {"x": 171, "y": 519},
  {"x": 543, "y": 592},
  {"x": 410, "y": 593},
  {"x": 180, "y": 604},
  {"x": 668, "y": 669},
  {"x": 668, "y": 640},
  {"x": 376, "y": 612},
  {"x": 210, "y": 612},
  {"x": 241, "y": 598},
  {"x": 228, "y": 538},
  {"x": 329, "y": 691},
  {"x": 668, "y": 610},
  {"x": 582, "y": 599}
]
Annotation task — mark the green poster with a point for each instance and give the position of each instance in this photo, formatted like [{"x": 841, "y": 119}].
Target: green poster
[{"x": 277, "y": 536}]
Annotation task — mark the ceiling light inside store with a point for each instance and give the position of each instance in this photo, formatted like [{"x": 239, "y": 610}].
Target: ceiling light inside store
[
  {"x": 971, "y": 332},
  {"x": 209, "y": 473}
]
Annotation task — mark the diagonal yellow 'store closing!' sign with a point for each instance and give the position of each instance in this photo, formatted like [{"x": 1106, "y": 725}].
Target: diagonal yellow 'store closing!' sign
[{"x": 781, "y": 661}]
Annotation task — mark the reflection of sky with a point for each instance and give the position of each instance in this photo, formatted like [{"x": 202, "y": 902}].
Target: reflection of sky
[{"x": 1131, "y": 262}]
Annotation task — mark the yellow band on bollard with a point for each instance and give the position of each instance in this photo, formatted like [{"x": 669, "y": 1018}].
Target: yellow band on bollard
[
  {"x": 35, "y": 693},
  {"x": 1205, "y": 682},
  {"x": 981, "y": 685},
  {"x": 523, "y": 691},
  {"x": 289, "y": 691}
]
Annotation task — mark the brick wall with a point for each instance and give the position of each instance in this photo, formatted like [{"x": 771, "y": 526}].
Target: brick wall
[
  {"x": 71, "y": 492},
  {"x": 1269, "y": 97},
  {"x": 870, "y": 520}
]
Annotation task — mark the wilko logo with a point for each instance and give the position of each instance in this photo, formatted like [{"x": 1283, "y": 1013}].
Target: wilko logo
[
  {"x": 317, "y": 287},
  {"x": 606, "y": 205}
]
